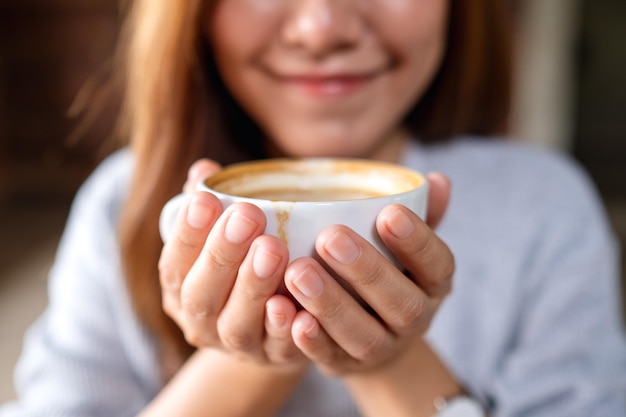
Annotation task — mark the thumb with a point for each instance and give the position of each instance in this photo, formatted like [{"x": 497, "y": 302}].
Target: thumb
[
  {"x": 198, "y": 171},
  {"x": 439, "y": 187}
]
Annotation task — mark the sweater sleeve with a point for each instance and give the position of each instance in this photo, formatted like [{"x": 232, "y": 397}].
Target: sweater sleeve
[
  {"x": 568, "y": 356},
  {"x": 74, "y": 361}
]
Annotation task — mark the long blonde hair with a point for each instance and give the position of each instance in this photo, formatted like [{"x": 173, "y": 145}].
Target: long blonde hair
[
  {"x": 163, "y": 91},
  {"x": 176, "y": 110}
]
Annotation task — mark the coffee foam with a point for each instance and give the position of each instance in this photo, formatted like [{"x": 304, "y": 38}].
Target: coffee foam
[{"x": 302, "y": 179}]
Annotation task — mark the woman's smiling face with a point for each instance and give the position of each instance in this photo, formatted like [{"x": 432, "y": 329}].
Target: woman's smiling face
[{"x": 329, "y": 77}]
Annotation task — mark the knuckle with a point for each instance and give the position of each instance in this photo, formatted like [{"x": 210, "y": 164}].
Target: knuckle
[
  {"x": 371, "y": 349},
  {"x": 255, "y": 295},
  {"x": 222, "y": 261},
  {"x": 237, "y": 339},
  {"x": 330, "y": 313},
  {"x": 372, "y": 270},
  {"x": 188, "y": 242},
  {"x": 169, "y": 276},
  {"x": 410, "y": 314},
  {"x": 196, "y": 308},
  {"x": 185, "y": 240}
]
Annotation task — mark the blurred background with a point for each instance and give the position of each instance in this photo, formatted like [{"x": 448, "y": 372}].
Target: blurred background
[{"x": 570, "y": 96}]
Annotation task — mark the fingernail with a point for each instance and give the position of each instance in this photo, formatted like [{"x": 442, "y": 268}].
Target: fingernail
[
  {"x": 342, "y": 248},
  {"x": 313, "y": 330},
  {"x": 239, "y": 228},
  {"x": 400, "y": 225},
  {"x": 198, "y": 213},
  {"x": 308, "y": 325},
  {"x": 309, "y": 283},
  {"x": 276, "y": 320},
  {"x": 265, "y": 263}
]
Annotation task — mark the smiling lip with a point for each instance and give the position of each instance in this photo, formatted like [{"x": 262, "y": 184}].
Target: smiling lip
[{"x": 336, "y": 85}]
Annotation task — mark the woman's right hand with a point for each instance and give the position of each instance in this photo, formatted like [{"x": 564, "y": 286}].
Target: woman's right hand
[{"x": 220, "y": 276}]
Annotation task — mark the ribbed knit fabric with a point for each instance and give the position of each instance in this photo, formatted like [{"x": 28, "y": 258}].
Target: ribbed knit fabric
[{"x": 532, "y": 327}]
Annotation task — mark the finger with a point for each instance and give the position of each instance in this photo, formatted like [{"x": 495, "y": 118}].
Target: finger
[
  {"x": 279, "y": 345},
  {"x": 341, "y": 316},
  {"x": 425, "y": 256},
  {"x": 401, "y": 305},
  {"x": 241, "y": 323},
  {"x": 206, "y": 288},
  {"x": 198, "y": 171},
  {"x": 191, "y": 227},
  {"x": 313, "y": 341},
  {"x": 439, "y": 187}
]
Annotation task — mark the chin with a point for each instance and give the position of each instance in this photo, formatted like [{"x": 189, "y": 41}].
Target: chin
[
  {"x": 316, "y": 147},
  {"x": 320, "y": 143}
]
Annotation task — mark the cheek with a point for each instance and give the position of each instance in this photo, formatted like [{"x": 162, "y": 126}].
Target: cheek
[
  {"x": 239, "y": 30},
  {"x": 414, "y": 29},
  {"x": 418, "y": 39}
]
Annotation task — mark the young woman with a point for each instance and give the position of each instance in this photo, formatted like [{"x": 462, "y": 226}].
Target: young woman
[{"x": 530, "y": 327}]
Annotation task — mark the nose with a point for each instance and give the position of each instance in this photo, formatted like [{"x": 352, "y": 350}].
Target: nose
[{"x": 320, "y": 27}]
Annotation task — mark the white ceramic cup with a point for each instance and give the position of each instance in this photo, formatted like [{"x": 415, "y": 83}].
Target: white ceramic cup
[{"x": 301, "y": 197}]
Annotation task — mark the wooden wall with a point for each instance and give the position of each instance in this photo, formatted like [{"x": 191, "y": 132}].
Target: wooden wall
[{"x": 49, "y": 49}]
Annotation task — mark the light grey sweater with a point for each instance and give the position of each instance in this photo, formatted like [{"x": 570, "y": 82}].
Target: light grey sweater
[{"x": 532, "y": 326}]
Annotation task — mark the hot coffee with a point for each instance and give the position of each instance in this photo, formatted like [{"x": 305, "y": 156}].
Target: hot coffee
[
  {"x": 311, "y": 194},
  {"x": 313, "y": 180}
]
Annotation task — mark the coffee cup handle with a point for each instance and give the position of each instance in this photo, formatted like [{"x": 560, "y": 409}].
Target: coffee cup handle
[{"x": 168, "y": 215}]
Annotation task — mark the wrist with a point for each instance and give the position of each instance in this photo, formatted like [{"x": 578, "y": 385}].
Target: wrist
[
  {"x": 288, "y": 371},
  {"x": 405, "y": 386},
  {"x": 206, "y": 383}
]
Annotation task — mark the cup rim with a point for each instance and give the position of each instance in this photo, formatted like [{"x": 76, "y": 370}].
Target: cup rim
[{"x": 300, "y": 165}]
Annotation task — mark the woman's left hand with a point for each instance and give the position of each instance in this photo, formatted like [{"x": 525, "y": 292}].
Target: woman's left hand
[{"x": 371, "y": 321}]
